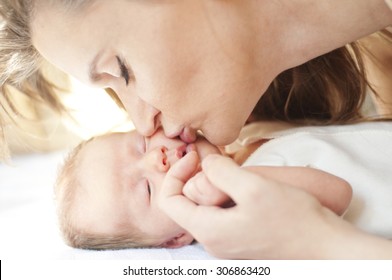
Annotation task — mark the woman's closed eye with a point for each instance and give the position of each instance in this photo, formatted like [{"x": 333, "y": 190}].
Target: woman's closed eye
[
  {"x": 148, "y": 189},
  {"x": 123, "y": 70}
]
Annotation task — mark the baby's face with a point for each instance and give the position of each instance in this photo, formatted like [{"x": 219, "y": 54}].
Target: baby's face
[{"x": 121, "y": 175}]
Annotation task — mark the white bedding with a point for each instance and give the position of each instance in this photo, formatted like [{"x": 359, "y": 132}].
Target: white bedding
[{"x": 28, "y": 223}]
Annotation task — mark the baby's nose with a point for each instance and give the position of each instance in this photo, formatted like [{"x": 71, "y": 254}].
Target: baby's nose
[{"x": 158, "y": 159}]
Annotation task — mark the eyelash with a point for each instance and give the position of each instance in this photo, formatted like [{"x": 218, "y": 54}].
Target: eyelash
[
  {"x": 123, "y": 70},
  {"x": 148, "y": 188}
]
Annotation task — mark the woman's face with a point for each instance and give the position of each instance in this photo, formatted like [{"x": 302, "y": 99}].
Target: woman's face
[{"x": 175, "y": 64}]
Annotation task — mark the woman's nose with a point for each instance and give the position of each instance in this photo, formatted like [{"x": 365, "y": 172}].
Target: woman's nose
[
  {"x": 146, "y": 119},
  {"x": 156, "y": 160},
  {"x": 145, "y": 116}
]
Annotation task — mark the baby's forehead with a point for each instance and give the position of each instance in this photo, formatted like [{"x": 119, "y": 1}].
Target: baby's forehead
[
  {"x": 99, "y": 157},
  {"x": 97, "y": 214},
  {"x": 114, "y": 137},
  {"x": 98, "y": 177},
  {"x": 110, "y": 140}
]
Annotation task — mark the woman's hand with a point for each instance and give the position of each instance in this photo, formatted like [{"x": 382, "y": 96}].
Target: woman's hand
[{"x": 269, "y": 220}]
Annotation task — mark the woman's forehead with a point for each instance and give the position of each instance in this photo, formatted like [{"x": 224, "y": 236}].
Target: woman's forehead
[{"x": 66, "y": 5}]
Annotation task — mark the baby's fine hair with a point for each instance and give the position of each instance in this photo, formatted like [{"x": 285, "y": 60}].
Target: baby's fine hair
[{"x": 66, "y": 192}]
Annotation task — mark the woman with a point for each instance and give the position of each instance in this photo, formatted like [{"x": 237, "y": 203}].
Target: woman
[{"x": 184, "y": 65}]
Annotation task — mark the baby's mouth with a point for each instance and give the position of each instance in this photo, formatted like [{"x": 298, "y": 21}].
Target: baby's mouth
[{"x": 185, "y": 149}]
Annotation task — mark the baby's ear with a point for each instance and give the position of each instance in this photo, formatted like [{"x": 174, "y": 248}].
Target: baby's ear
[{"x": 178, "y": 241}]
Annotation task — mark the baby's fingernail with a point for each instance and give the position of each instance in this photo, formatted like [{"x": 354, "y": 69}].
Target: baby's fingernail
[{"x": 190, "y": 148}]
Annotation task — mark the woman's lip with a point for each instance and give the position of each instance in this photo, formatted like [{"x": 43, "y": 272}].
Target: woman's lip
[{"x": 187, "y": 135}]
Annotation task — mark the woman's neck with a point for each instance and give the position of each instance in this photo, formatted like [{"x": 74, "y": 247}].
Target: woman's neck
[
  {"x": 244, "y": 153},
  {"x": 299, "y": 30}
]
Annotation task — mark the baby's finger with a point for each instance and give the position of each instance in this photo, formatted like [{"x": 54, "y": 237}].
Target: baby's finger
[
  {"x": 179, "y": 208},
  {"x": 202, "y": 192},
  {"x": 227, "y": 176},
  {"x": 179, "y": 174},
  {"x": 172, "y": 201}
]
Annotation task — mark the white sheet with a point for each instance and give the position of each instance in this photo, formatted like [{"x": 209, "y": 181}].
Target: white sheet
[{"x": 28, "y": 226}]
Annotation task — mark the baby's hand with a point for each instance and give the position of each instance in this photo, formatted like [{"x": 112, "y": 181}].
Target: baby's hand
[
  {"x": 202, "y": 192},
  {"x": 195, "y": 187}
]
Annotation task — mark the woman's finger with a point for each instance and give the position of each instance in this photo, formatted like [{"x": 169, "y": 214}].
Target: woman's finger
[{"x": 227, "y": 176}]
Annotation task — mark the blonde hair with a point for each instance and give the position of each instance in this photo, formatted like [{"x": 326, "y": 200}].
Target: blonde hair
[
  {"x": 20, "y": 63},
  {"x": 66, "y": 191}
]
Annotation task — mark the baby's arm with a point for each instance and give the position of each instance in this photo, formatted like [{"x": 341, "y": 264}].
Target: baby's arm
[{"x": 333, "y": 192}]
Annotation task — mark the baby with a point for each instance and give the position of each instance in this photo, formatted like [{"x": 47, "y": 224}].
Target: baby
[{"x": 109, "y": 187}]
